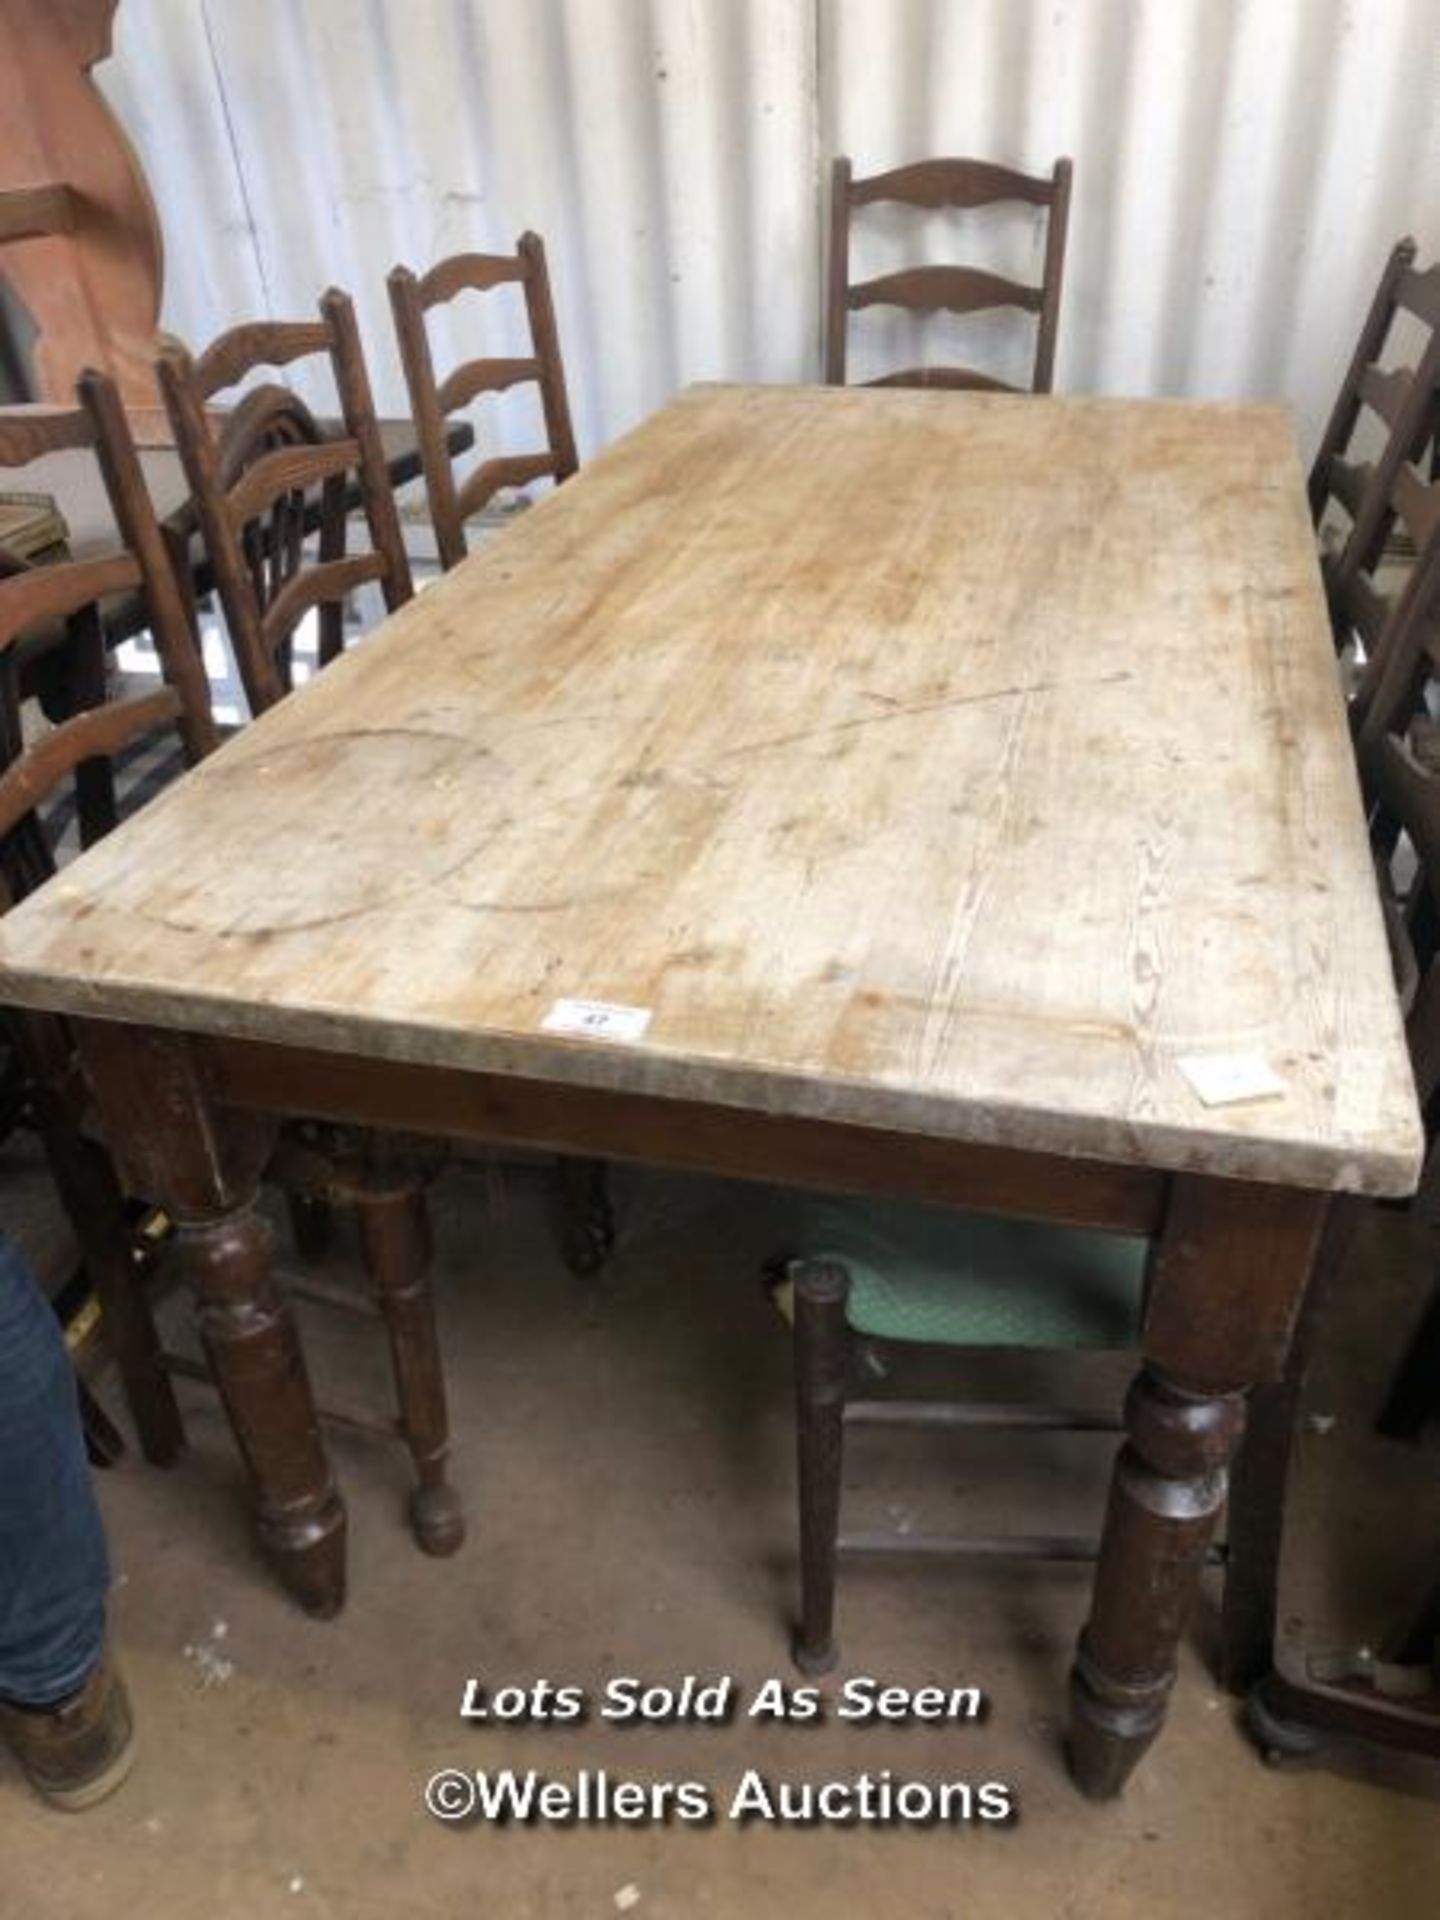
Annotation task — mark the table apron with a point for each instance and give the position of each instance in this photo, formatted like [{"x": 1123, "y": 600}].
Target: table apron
[{"x": 504, "y": 1110}]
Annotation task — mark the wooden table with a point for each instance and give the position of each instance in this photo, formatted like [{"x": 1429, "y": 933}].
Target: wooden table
[{"x": 938, "y": 770}]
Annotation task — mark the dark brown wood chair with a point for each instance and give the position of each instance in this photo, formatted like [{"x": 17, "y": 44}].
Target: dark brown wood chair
[
  {"x": 1402, "y": 402},
  {"x": 587, "y": 1228},
  {"x": 67, "y": 592},
  {"x": 1398, "y": 753},
  {"x": 885, "y": 1295},
  {"x": 878, "y": 1287},
  {"x": 253, "y": 474},
  {"x": 250, "y": 472},
  {"x": 1288, "y": 1711},
  {"x": 411, "y": 298},
  {"x": 960, "y": 184}
]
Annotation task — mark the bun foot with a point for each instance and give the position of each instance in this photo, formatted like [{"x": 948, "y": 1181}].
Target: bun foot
[{"x": 437, "y": 1520}]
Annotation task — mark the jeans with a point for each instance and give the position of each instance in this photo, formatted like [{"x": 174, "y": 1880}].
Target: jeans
[{"x": 54, "y": 1571}]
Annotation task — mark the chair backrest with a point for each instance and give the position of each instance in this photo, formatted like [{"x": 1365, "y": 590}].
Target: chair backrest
[
  {"x": 1405, "y": 399},
  {"x": 268, "y": 472},
  {"x": 432, "y": 400},
  {"x": 933, "y": 184},
  {"x": 1398, "y": 629},
  {"x": 32, "y": 596},
  {"x": 1406, "y": 831}
]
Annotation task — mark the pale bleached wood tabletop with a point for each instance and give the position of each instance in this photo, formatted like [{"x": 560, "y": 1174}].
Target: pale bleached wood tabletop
[{"x": 951, "y": 763}]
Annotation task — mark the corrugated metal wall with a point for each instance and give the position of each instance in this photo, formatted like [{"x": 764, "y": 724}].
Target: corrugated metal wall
[{"x": 1241, "y": 168}]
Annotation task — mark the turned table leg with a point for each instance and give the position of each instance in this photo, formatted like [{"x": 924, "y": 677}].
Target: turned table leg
[
  {"x": 394, "y": 1229},
  {"x": 1228, "y": 1279},
  {"x": 204, "y": 1168}
]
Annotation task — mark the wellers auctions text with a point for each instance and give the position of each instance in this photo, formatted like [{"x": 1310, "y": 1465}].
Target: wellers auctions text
[{"x": 507, "y": 1796}]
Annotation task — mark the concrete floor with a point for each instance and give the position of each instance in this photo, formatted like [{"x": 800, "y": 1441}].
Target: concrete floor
[{"x": 625, "y": 1462}]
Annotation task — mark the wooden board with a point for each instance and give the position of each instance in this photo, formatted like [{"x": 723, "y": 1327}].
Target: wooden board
[
  {"x": 943, "y": 762},
  {"x": 32, "y": 527}
]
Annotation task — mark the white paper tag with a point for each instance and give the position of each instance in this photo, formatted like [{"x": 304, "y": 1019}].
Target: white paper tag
[
  {"x": 597, "y": 1020},
  {"x": 1223, "y": 1079}
]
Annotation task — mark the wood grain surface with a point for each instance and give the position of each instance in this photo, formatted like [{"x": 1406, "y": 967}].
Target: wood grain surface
[{"x": 948, "y": 763}]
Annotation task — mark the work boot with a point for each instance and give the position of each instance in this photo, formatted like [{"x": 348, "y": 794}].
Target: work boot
[{"x": 80, "y": 1749}]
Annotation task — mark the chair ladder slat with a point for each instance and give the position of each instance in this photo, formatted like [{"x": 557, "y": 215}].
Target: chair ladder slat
[
  {"x": 1419, "y": 293},
  {"x": 472, "y": 272},
  {"x": 285, "y": 470},
  {"x": 953, "y": 183},
  {"x": 1417, "y": 503},
  {"x": 953, "y": 289},
  {"x": 459, "y": 388},
  {"x": 1350, "y": 482},
  {"x": 256, "y": 343},
  {"x": 961, "y": 379},
  {"x": 506, "y": 470},
  {"x": 1385, "y": 389},
  {"x": 37, "y": 594},
  {"x": 1369, "y": 612},
  {"x": 98, "y": 732},
  {"x": 325, "y": 581}
]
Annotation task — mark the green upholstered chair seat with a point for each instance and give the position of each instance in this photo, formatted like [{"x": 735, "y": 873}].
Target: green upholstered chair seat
[{"x": 943, "y": 1277}]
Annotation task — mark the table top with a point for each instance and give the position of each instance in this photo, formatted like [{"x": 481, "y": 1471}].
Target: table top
[{"x": 951, "y": 763}]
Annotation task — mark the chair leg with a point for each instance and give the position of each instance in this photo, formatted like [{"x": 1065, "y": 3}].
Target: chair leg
[
  {"x": 1255, "y": 1523},
  {"x": 1414, "y": 1396},
  {"x": 822, "y": 1358},
  {"x": 587, "y": 1223},
  {"x": 394, "y": 1231},
  {"x": 312, "y": 1223},
  {"x": 90, "y": 1194},
  {"x": 104, "y": 1442},
  {"x": 1419, "y": 1636},
  {"x": 1255, "y": 1532},
  {"x": 73, "y": 681}
]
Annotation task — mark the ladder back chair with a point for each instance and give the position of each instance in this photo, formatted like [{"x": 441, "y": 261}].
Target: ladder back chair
[
  {"x": 1404, "y": 797},
  {"x": 964, "y": 185},
  {"x": 873, "y": 1283},
  {"x": 587, "y": 1227},
  {"x": 411, "y": 298},
  {"x": 32, "y": 776},
  {"x": 1404, "y": 399},
  {"x": 254, "y": 477},
  {"x": 254, "y": 482}
]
